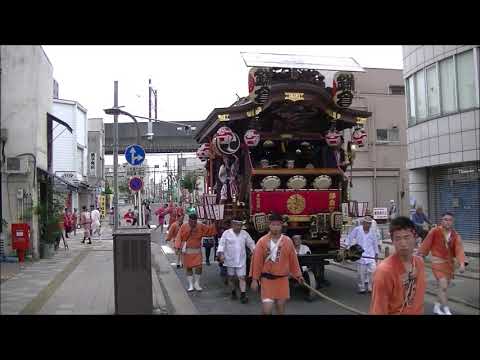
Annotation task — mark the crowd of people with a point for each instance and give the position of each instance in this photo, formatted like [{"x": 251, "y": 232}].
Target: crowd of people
[{"x": 397, "y": 283}]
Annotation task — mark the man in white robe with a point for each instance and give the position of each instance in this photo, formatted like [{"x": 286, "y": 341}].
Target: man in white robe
[
  {"x": 367, "y": 239},
  {"x": 95, "y": 221},
  {"x": 232, "y": 252}
]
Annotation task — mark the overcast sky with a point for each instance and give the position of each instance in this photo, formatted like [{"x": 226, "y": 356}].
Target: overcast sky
[{"x": 190, "y": 80}]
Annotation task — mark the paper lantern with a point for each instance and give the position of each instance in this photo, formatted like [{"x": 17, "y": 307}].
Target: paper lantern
[
  {"x": 203, "y": 151},
  {"x": 359, "y": 137},
  {"x": 224, "y": 135},
  {"x": 333, "y": 138},
  {"x": 251, "y": 138}
]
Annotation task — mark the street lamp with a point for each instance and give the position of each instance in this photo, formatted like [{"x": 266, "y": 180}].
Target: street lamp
[{"x": 117, "y": 111}]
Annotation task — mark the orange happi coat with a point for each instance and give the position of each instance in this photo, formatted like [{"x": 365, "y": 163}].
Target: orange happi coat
[
  {"x": 193, "y": 239},
  {"x": 443, "y": 253},
  {"x": 394, "y": 292},
  {"x": 173, "y": 232},
  {"x": 286, "y": 264}
]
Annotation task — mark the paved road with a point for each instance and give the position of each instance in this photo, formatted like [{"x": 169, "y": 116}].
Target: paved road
[{"x": 215, "y": 297}]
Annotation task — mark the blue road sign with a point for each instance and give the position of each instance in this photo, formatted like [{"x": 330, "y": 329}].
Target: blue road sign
[
  {"x": 134, "y": 154},
  {"x": 135, "y": 184}
]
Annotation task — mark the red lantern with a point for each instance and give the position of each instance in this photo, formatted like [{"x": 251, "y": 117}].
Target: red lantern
[
  {"x": 359, "y": 137},
  {"x": 251, "y": 82},
  {"x": 333, "y": 138},
  {"x": 224, "y": 135},
  {"x": 203, "y": 152},
  {"x": 251, "y": 138}
]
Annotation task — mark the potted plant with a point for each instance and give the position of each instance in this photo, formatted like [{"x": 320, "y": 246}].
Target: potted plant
[{"x": 50, "y": 225}]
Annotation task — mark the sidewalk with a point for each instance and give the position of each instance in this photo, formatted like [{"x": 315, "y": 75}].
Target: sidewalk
[{"x": 75, "y": 281}]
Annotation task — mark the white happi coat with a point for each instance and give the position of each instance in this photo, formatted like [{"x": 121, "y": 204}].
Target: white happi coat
[
  {"x": 233, "y": 247},
  {"x": 368, "y": 242}
]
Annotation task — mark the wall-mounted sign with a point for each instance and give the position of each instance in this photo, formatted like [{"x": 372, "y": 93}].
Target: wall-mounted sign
[
  {"x": 345, "y": 86},
  {"x": 380, "y": 213},
  {"x": 93, "y": 164},
  {"x": 223, "y": 117},
  {"x": 294, "y": 96}
]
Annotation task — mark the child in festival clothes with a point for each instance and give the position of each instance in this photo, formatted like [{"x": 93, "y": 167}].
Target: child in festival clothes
[
  {"x": 172, "y": 236},
  {"x": 274, "y": 259},
  {"x": 399, "y": 280}
]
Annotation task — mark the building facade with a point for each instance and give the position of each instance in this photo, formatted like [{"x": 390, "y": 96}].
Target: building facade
[
  {"x": 96, "y": 159},
  {"x": 26, "y": 88},
  {"x": 70, "y": 151},
  {"x": 379, "y": 172},
  {"x": 443, "y": 118}
]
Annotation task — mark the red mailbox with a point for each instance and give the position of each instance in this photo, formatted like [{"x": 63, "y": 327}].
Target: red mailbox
[{"x": 20, "y": 239}]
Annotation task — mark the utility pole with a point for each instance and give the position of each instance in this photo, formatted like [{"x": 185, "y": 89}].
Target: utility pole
[{"x": 115, "y": 158}]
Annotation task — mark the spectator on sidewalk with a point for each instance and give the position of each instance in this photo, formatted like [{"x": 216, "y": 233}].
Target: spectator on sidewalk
[
  {"x": 422, "y": 224},
  {"x": 67, "y": 222},
  {"x": 232, "y": 252},
  {"x": 135, "y": 216},
  {"x": 399, "y": 281},
  {"x": 86, "y": 222},
  {"x": 446, "y": 246},
  {"x": 161, "y": 213},
  {"x": 128, "y": 217},
  {"x": 274, "y": 259},
  {"x": 363, "y": 236},
  {"x": 74, "y": 221},
  {"x": 392, "y": 211},
  {"x": 148, "y": 215}
]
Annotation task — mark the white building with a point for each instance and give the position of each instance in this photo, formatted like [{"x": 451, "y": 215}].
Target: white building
[
  {"x": 26, "y": 88},
  {"x": 70, "y": 149},
  {"x": 443, "y": 136}
]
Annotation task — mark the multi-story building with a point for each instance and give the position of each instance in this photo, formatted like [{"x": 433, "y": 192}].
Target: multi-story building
[
  {"x": 96, "y": 159},
  {"x": 379, "y": 172},
  {"x": 443, "y": 132},
  {"x": 26, "y": 88},
  {"x": 70, "y": 151}
]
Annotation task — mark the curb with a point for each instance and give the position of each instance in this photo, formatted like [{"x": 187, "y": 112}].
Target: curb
[{"x": 176, "y": 298}]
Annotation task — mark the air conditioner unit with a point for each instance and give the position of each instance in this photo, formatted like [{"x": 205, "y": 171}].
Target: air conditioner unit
[{"x": 17, "y": 165}]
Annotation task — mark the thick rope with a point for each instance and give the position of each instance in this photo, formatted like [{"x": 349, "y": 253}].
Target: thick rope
[{"x": 346, "y": 307}]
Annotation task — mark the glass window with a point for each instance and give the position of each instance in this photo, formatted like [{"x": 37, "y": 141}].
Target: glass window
[
  {"x": 388, "y": 135},
  {"x": 432, "y": 91},
  {"x": 420, "y": 95},
  {"x": 447, "y": 85},
  {"x": 411, "y": 100},
  {"x": 466, "y": 80}
]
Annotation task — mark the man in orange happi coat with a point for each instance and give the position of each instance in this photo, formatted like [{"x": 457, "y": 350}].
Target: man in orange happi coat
[
  {"x": 274, "y": 259},
  {"x": 190, "y": 237},
  {"x": 175, "y": 241},
  {"x": 445, "y": 245},
  {"x": 175, "y": 212},
  {"x": 399, "y": 280}
]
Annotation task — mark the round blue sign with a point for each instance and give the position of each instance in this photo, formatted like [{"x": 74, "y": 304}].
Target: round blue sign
[
  {"x": 135, "y": 184},
  {"x": 134, "y": 154}
]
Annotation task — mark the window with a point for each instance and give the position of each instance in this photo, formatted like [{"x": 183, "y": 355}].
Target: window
[
  {"x": 397, "y": 90},
  {"x": 420, "y": 95},
  {"x": 447, "y": 85},
  {"x": 466, "y": 80},
  {"x": 80, "y": 161},
  {"x": 411, "y": 100},
  {"x": 432, "y": 91},
  {"x": 388, "y": 135}
]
